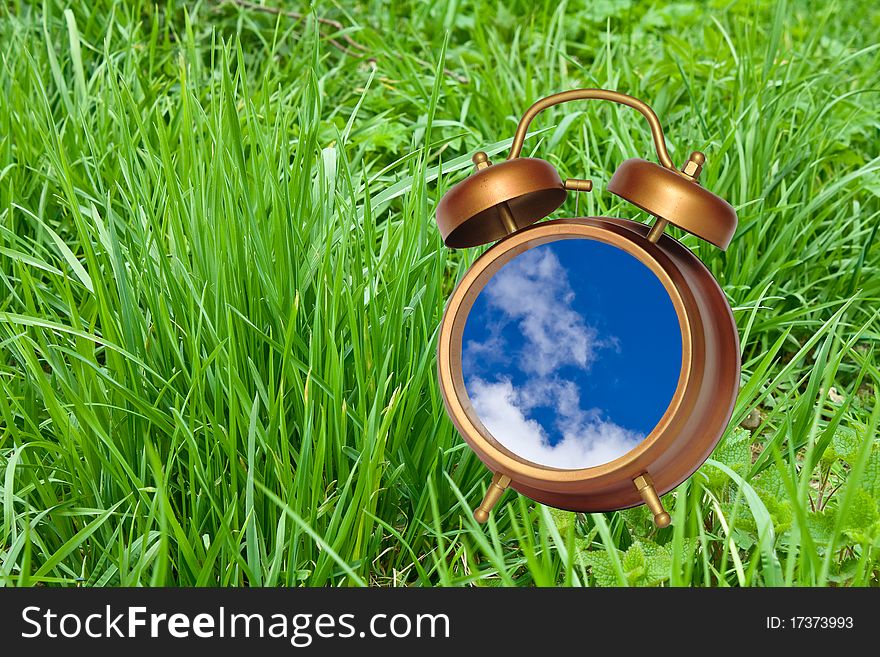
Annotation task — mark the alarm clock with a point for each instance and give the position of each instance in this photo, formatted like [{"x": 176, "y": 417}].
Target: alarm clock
[{"x": 591, "y": 363}]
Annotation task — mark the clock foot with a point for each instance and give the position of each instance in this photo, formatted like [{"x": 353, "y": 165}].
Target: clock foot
[
  {"x": 645, "y": 486},
  {"x": 496, "y": 489}
]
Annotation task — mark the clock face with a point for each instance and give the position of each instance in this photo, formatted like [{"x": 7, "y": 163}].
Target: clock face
[{"x": 571, "y": 354}]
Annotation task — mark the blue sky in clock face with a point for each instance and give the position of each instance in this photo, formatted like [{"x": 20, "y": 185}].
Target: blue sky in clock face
[{"x": 571, "y": 353}]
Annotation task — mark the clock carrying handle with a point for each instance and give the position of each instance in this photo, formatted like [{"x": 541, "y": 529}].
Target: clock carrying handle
[{"x": 593, "y": 94}]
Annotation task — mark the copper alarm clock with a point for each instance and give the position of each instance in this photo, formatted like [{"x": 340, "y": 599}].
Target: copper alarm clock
[{"x": 591, "y": 363}]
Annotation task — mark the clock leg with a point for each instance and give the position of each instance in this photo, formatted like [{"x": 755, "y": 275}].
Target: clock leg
[
  {"x": 645, "y": 486},
  {"x": 507, "y": 217},
  {"x": 504, "y": 213},
  {"x": 499, "y": 484}
]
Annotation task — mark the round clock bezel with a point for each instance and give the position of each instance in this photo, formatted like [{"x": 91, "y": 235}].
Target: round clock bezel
[{"x": 674, "y": 448}]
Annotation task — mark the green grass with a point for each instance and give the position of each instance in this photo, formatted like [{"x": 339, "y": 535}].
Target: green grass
[{"x": 221, "y": 287}]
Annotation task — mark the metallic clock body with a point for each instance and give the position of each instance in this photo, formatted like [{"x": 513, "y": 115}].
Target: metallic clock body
[{"x": 701, "y": 406}]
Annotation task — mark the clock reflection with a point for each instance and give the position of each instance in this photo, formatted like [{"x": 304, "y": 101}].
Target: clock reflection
[{"x": 571, "y": 353}]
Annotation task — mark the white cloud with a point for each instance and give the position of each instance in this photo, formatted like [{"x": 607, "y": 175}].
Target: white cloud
[
  {"x": 493, "y": 349},
  {"x": 533, "y": 290},
  {"x": 587, "y": 438}
]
